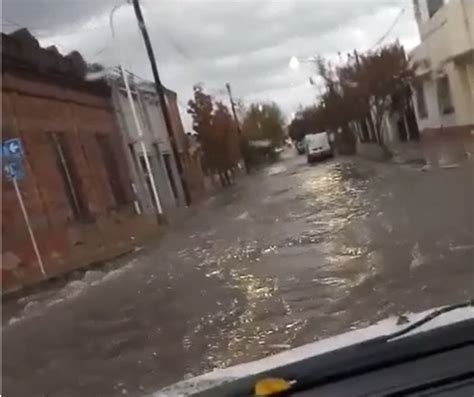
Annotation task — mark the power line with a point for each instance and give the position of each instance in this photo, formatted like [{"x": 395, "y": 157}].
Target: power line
[
  {"x": 102, "y": 49},
  {"x": 392, "y": 26}
]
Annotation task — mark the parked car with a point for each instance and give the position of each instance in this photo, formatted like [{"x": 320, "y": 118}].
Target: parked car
[
  {"x": 300, "y": 146},
  {"x": 317, "y": 146}
]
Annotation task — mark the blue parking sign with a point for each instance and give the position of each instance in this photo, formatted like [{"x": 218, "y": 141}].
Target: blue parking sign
[
  {"x": 12, "y": 153},
  {"x": 12, "y": 147},
  {"x": 13, "y": 168}
]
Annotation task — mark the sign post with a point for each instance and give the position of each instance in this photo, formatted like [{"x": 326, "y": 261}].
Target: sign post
[
  {"x": 12, "y": 153},
  {"x": 28, "y": 225}
]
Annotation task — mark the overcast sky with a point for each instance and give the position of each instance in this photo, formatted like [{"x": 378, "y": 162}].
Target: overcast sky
[{"x": 245, "y": 42}]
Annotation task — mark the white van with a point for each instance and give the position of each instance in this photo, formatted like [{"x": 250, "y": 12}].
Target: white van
[{"x": 317, "y": 146}]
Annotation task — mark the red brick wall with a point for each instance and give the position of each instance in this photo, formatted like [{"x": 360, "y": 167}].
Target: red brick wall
[
  {"x": 178, "y": 129},
  {"x": 192, "y": 167},
  {"x": 31, "y": 109}
]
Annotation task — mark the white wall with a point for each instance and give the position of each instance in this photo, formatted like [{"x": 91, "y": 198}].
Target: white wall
[
  {"x": 157, "y": 122},
  {"x": 151, "y": 122},
  {"x": 448, "y": 35},
  {"x": 157, "y": 133},
  {"x": 450, "y": 31}
]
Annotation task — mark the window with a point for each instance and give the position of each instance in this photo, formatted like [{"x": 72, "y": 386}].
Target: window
[
  {"x": 445, "y": 102},
  {"x": 111, "y": 168},
  {"x": 421, "y": 101},
  {"x": 69, "y": 175},
  {"x": 433, "y": 6}
]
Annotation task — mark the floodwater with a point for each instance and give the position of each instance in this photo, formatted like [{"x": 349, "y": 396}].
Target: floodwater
[{"x": 288, "y": 256}]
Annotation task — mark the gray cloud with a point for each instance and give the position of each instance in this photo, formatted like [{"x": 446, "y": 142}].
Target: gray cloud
[
  {"x": 247, "y": 42},
  {"x": 52, "y": 16}
]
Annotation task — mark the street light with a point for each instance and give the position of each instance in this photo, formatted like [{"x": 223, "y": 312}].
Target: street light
[{"x": 295, "y": 62}]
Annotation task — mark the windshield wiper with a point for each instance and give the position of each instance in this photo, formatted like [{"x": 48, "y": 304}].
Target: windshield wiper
[
  {"x": 429, "y": 317},
  {"x": 385, "y": 351},
  {"x": 376, "y": 353}
]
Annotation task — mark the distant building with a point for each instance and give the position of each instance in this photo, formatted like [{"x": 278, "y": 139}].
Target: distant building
[
  {"x": 156, "y": 146},
  {"x": 174, "y": 189},
  {"x": 77, "y": 188},
  {"x": 444, "y": 88},
  {"x": 190, "y": 153}
]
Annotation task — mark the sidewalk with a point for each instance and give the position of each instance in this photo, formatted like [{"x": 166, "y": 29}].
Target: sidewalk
[
  {"x": 408, "y": 153},
  {"x": 432, "y": 153}
]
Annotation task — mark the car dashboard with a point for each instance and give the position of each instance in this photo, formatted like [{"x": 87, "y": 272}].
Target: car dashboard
[{"x": 438, "y": 362}]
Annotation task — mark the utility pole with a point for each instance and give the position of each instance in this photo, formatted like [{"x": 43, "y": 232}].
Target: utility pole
[
  {"x": 232, "y": 104},
  {"x": 162, "y": 96},
  {"x": 148, "y": 173}
]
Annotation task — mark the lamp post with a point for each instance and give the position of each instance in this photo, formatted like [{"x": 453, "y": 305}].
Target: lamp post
[{"x": 295, "y": 62}]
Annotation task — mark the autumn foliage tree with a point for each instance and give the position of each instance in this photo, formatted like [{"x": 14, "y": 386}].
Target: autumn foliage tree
[
  {"x": 263, "y": 130},
  {"x": 217, "y": 133},
  {"x": 264, "y": 121},
  {"x": 362, "y": 88},
  {"x": 226, "y": 139}
]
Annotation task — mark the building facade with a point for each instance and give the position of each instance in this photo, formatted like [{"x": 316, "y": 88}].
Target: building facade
[
  {"x": 76, "y": 188},
  {"x": 444, "y": 88},
  {"x": 162, "y": 190},
  {"x": 189, "y": 152}
]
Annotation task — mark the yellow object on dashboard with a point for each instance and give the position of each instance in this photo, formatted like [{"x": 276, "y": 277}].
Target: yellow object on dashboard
[{"x": 271, "y": 386}]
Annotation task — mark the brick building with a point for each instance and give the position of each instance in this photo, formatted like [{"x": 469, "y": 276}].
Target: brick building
[
  {"x": 192, "y": 178},
  {"x": 189, "y": 153},
  {"x": 76, "y": 188}
]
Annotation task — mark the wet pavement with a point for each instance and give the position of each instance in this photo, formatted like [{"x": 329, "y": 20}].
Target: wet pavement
[{"x": 290, "y": 255}]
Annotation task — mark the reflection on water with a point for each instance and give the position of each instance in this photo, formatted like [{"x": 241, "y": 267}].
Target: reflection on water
[{"x": 276, "y": 305}]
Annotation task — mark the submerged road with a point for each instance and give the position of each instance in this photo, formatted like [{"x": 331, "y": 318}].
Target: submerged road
[{"x": 287, "y": 256}]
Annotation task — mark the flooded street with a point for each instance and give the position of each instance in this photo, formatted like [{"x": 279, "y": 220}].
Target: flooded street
[{"x": 287, "y": 256}]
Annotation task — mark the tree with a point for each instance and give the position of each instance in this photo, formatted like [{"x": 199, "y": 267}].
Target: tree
[
  {"x": 264, "y": 121},
  {"x": 263, "y": 130},
  {"x": 380, "y": 80},
  {"x": 298, "y": 128},
  {"x": 226, "y": 137},
  {"x": 201, "y": 110},
  {"x": 217, "y": 133},
  {"x": 364, "y": 87},
  {"x": 307, "y": 120}
]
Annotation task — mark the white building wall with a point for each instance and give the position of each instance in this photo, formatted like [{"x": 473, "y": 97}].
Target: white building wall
[
  {"x": 390, "y": 131},
  {"x": 153, "y": 134},
  {"x": 155, "y": 117},
  {"x": 431, "y": 100},
  {"x": 446, "y": 49},
  {"x": 449, "y": 31},
  {"x": 158, "y": 134}
]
